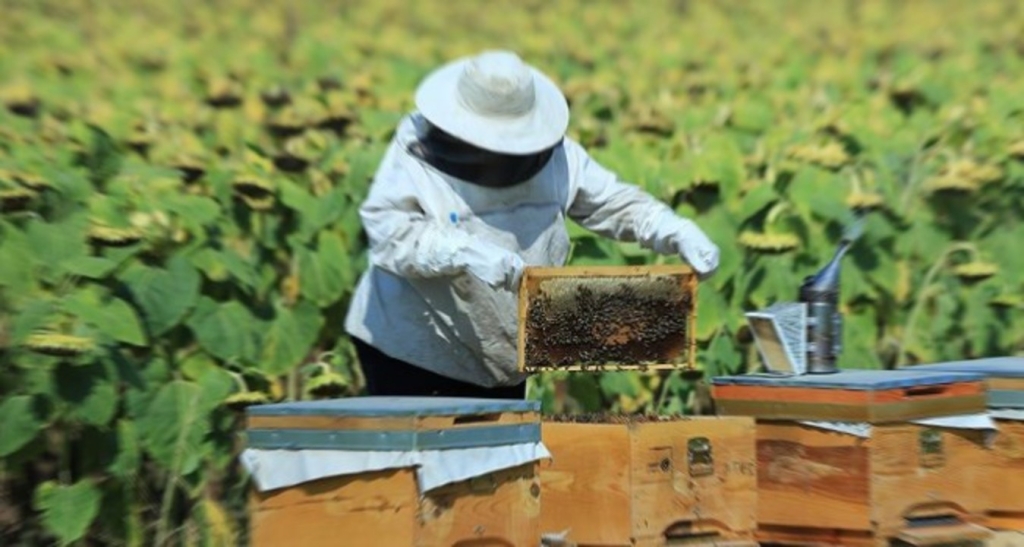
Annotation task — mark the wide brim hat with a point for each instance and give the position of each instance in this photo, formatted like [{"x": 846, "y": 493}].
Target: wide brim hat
[{"x": 495, "y": 101}]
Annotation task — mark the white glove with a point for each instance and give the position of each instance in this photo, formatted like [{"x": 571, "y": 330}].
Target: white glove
[
  {"x": 665, "y": 233},
  {"x": 493, "y": 265},
  {"x": 695, "y": 248}
]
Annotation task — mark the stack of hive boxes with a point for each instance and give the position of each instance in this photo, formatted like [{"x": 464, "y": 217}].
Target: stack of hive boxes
[
  {"x": 864, "y": 458},
  {"x": 629, "y": 479},
  {"x": 1002, "y": 476},
  {"x": 395, "y": 471},
  {"x": 859, "y": 458}
]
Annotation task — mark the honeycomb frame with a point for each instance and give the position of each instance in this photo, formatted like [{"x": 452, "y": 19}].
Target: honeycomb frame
[{"x": 612, "y": 318}]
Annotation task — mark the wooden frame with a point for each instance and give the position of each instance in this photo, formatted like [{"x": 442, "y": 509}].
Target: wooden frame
[
  {"x": 907, "y": 481},
  {"x": 533, "y": 277},
  {"x": 1003, "y": 477},
  {"x": 387, "y": 508},
  {"x": 688, "y": 480}
]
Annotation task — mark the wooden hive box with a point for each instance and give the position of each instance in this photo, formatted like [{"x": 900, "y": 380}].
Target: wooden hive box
[
  {"x": 872, "y": 396},
  {"x": 607, "y": 317},
  {"x": 909, "y": 482},
  {"x": 650, "y": 481},
  {"x": 384, "y": 504},
  {"x": 1002, "y": 479}
]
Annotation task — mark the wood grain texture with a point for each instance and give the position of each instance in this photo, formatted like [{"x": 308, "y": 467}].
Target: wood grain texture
[
  {"x": 1006, "y": 522},
  {"x": 875, "y": 413},
  {"x": 944, "y": 535},
  {"x": 907, "y": 482},
  {"x": 396, "y": 423},
  {"x": 801, "y": 467},
  {"x": 368, "y": 509},
  {"x": 1008, "y": 384},
  {"x": 963, "y": 535},
  {"x": 865, "y": 489},
  {"x": 1005, "y": 539},
  {"x": 632, "y": 484},
  {"x": 789, "y": 536},
  {"x": 848, "y": 396},
  {"x": 586, "y": 484},
  {"x": 499, "y": 509},
  {"x": 535, "y": 274},
  {"x": 385, "y": 508},
  {"x": 1002, "y": 478}
]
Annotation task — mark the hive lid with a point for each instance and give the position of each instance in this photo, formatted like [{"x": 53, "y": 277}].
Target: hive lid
[
  {"x": 858, "y": 380},
  {"x": 1004, "y": 375},
  {"x": 869, "y": 396},
  {"x": 394, "y": 407},
  {"x": 393, "y": 423},
  {"x": 1001, "y": 367}
]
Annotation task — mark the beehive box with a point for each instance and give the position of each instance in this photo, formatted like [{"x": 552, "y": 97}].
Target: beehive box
[
  {"x": 393, "y": 439},
  {"x": 632, "y": 480},
  {"x": 872, "y": 396},
  {"x": 607, "y": 317},
  {"x": 905, "y": 482},
  {"x": 1003, "y": 475}
]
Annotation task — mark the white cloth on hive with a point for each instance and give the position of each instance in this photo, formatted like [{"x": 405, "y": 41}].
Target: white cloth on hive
[
  {"x": 274, "y": 469},
  {"x": 863, "y": 430},
  {"x": 1013, "y": 414}
]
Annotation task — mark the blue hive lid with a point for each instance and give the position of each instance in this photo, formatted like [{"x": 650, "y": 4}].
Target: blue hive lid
[
  {"x": 406, "y": 410},
  {"x": 1002, "y": 367},
  {"x": 861, "y": 380},
  {"x": 394, "y": 407}
]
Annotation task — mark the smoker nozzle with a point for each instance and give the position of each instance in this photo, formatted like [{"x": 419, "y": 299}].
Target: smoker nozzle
[{"x": 820, "y": 292}]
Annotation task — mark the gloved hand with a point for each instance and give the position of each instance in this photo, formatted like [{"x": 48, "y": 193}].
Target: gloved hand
[
  {"x": 493, "y": 265},
  {"x": 695, "y": 248}
]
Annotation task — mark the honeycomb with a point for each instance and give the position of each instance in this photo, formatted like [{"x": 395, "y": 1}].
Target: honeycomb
[{"x": 607, "y": 322}]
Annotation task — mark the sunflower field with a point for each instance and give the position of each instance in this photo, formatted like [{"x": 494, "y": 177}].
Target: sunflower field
[{"x": 180, "y": 183}]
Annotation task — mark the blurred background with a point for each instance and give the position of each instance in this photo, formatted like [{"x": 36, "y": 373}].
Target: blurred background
[{"x": 180, "y": 183}]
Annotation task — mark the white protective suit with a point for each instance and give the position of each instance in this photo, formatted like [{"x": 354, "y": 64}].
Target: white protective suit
[{"x": 444, "y": 253}]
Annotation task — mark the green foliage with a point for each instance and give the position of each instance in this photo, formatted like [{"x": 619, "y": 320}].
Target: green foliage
[
  {"x": 21, "y": 424},
  {"x": 164, "y": 295},
  {"x": 179, "y": 241},
  {"x": 173, "y": 428},
  {"x": 289, "y": 337},
  {"x": 67, "y": 511}
]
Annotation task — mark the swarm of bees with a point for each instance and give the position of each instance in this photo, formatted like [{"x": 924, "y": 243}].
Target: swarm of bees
[{"x": 606, "y": 418}]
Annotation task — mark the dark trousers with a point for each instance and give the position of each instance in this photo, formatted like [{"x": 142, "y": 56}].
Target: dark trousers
[{"x": 388, "y": 376}]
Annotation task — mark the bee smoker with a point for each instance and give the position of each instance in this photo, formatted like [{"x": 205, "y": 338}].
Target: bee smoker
[
  {"x": 806, "y": 336},
  {"x": 820, "y": 294}
]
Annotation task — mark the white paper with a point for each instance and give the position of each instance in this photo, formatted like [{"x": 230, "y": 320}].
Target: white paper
[
  {"x": 1015, "y": 414},
  {"x": 273, "y": 469},
  {"x": 440, "y": 467},
  {"x": 863, "y": 429},
  {"x": 964, "y": 421},
  {"x": 857, "y": 429}
]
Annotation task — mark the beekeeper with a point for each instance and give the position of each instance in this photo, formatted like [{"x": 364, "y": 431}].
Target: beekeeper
[{"x": 477, "y": 183}]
